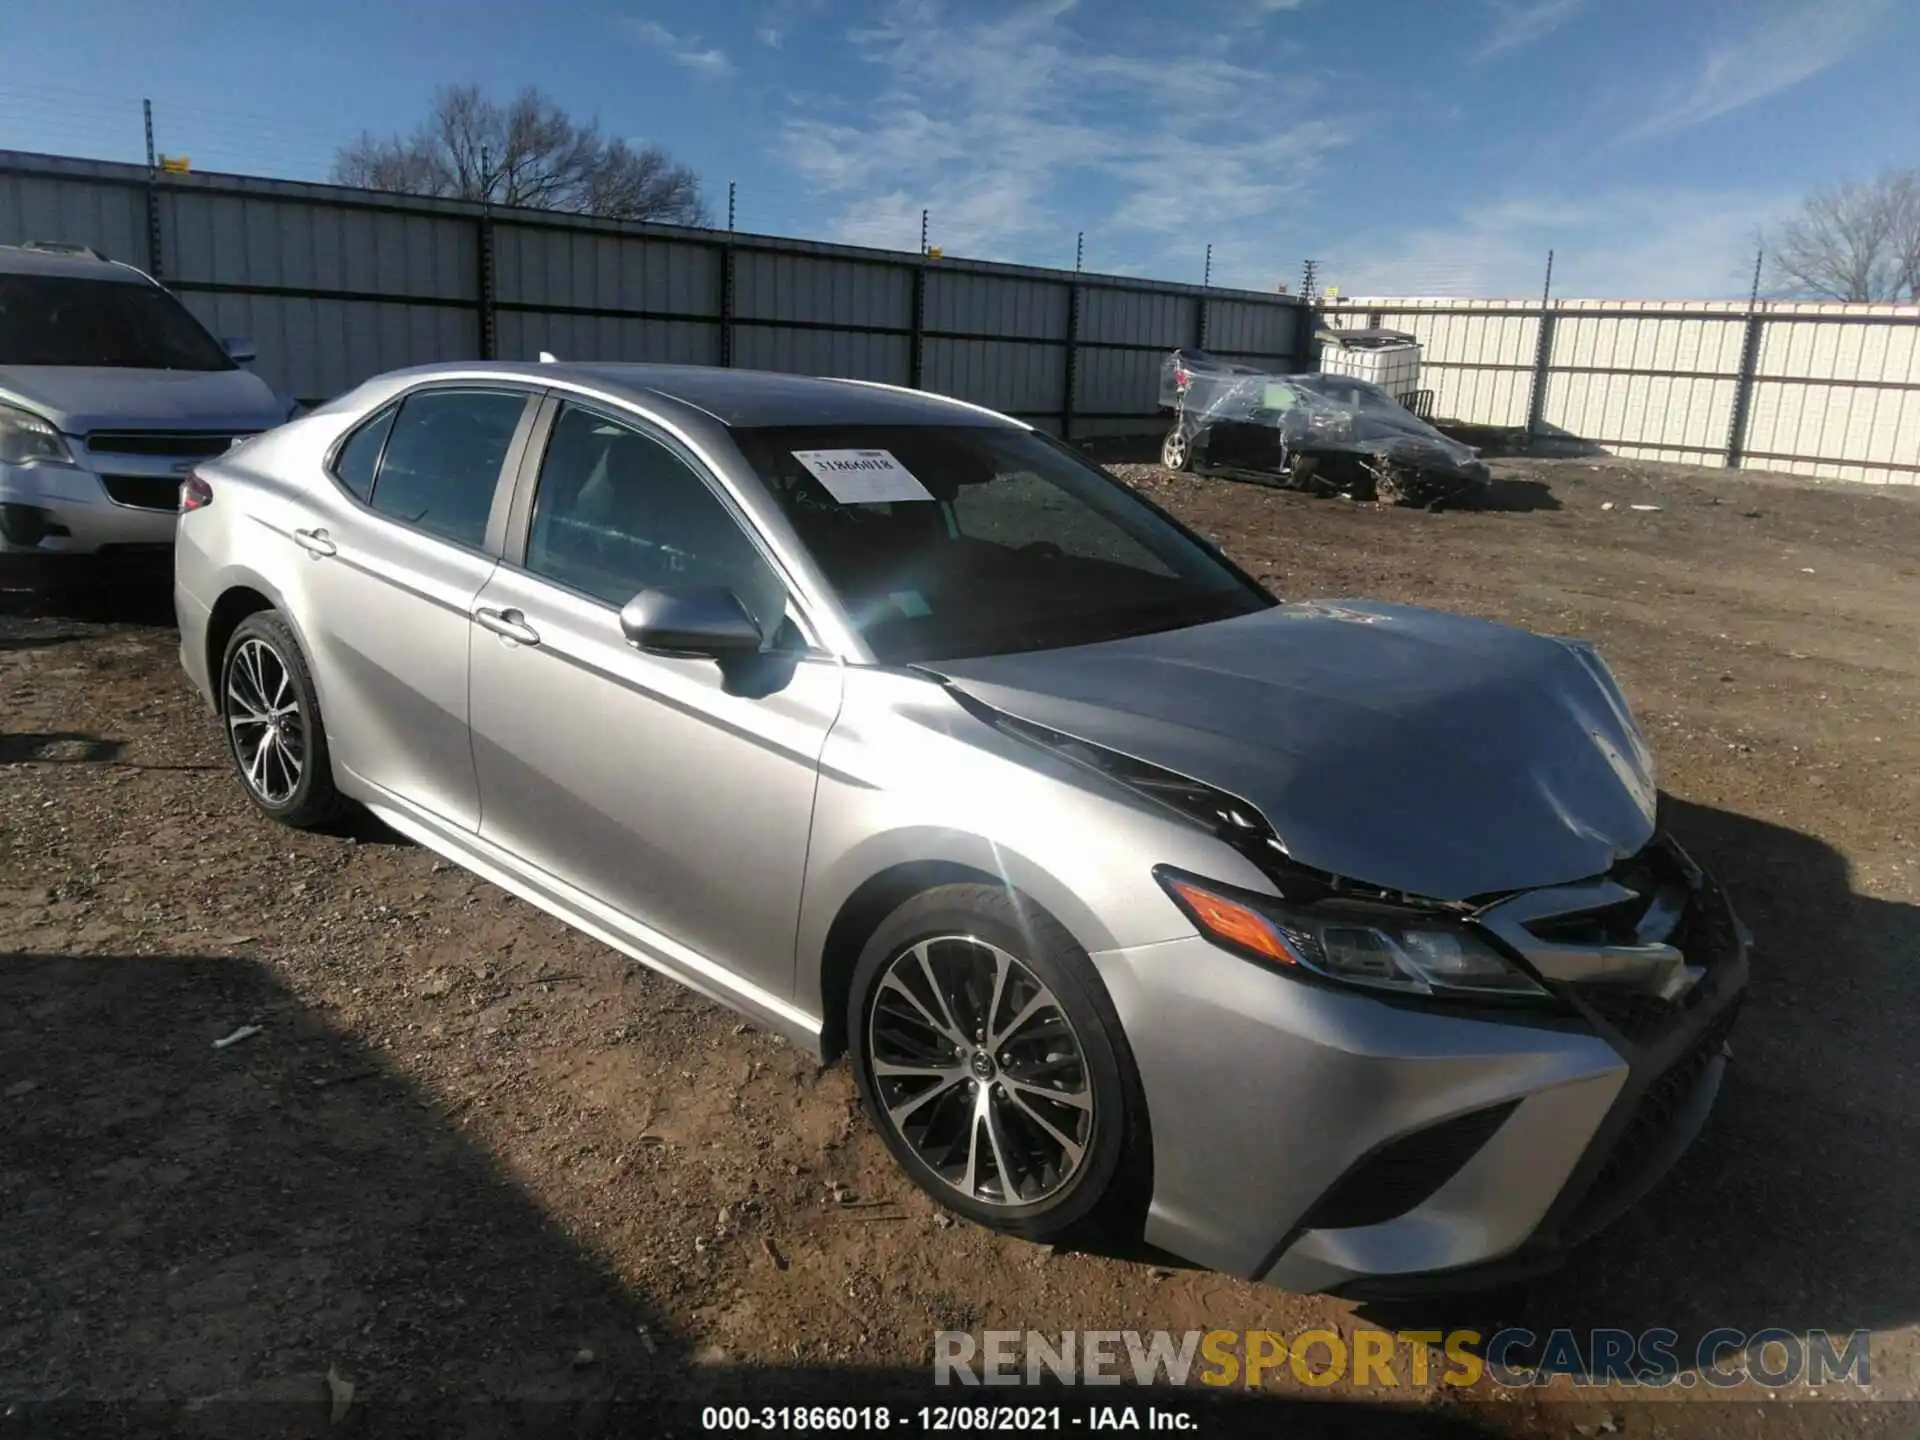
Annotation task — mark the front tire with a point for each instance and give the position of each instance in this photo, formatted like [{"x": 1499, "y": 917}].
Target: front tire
[
  {"x": 1176, "y": 451},
  {"x": 989, "y": 1058},
  {"x": 272, "y": 717}
]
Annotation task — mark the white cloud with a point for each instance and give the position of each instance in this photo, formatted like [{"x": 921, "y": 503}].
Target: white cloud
[
  {"x": 1793, "y": 41},
  {"x": 988, "y": 120},
  {"x": 769, "y": 36},
  {"x": 708, "y": 60},
  {"x": 1521, "y": 22},
  {"x": 1628, "y": 243}
]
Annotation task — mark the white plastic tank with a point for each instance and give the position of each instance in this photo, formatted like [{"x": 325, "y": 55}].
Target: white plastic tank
[{"x": 1387, "y": 358}]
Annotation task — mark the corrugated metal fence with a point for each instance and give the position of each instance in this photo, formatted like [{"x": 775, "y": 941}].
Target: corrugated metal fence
[
  {"x": 335, "y": 285},
  {"x": 1820, "y": 389}
]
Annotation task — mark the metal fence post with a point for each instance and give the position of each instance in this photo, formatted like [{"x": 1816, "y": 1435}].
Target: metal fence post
[
  {"x": 1542, "y": 358},
  {"x": 483, "y": 259},
  {"x": 1542, "y": 362},
  {"x": 483, "y": 263},
  {"x": 1743, "y": 390},
  {"x": 917, "y": 326},
  {"x": 1203, "y": 305},
  {"x": 1072, "y": 375},
  {"x": 728, "y": 257},
  {"x": 154, "y": 255},
  {"x": 1303, "y": 330}
]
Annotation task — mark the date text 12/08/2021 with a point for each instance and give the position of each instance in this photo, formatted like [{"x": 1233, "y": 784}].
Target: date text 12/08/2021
[{"x": 947, "y": 1419}]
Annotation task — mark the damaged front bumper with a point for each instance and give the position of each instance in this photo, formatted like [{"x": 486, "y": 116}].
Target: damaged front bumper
[{"x": 1329, "y": 1141}]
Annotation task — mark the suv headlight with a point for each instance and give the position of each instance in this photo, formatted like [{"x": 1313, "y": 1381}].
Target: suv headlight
[
  {"x": 1375, "y": 947},
  {"x": 25, "y": 439}
]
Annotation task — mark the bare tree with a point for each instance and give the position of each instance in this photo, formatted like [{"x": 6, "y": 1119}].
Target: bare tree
[
  {"x": 527, "y": 153},
  {"x": 1857, "y": 241}
]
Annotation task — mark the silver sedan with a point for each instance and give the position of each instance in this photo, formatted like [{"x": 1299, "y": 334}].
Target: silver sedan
[{"x": 1335, "y": 944}]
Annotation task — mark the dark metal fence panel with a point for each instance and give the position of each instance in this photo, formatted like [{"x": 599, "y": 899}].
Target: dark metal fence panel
[
  {"x": 814, "y": 290},
  {"x": 1137, "y": 317},
  {"x": 583, "y": 270},
  {"x": 970, "y": 304},
  {"x": 1111, "y": 382},
  {"x": 335, "y": 285},
  {"x": 1016, "y": 376},
  {"x": 523, "y": 334},
  {"x": 323, "y": 347},
  {"x": 42, "y": 207},
  {"x": 1258, "y": 333},
  {"x": 259, "y": 241},
  {"x": 856, "y": 355}
]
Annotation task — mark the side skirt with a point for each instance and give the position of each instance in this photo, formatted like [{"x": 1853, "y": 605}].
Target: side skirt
[{"x": 591, "y": 917}]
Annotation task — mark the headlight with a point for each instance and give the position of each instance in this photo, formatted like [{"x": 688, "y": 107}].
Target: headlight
[
  {"x": 25, "y": 438},
  {"x": 1371, "y": 946}
]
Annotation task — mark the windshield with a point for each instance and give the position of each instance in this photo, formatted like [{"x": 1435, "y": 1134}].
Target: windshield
[
  {"x": 63, "y": 320},
  {"x": 949, "y": 541}
]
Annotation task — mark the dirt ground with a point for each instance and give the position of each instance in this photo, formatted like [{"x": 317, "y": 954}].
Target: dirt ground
[{"x": 498, "y": 1178}]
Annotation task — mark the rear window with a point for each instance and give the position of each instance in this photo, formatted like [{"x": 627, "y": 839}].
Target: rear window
[{"x": 66, "y": 320}]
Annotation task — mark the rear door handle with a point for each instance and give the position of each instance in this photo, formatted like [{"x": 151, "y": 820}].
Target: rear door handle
[
  {"x": 315, "y": 542},
  {"x": 510, "y": 623}
]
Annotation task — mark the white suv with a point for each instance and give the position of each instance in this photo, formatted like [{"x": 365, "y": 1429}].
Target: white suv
[{"x": 109, "y": 392}]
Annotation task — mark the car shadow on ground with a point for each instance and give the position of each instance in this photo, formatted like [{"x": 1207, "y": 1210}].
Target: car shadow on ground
[
  {"x": 1794, "y": 1209},
  {"x": 198, "y": 1236},
  {"x": 112, "y": 599},
  {"x": 1516, "y": 494}
]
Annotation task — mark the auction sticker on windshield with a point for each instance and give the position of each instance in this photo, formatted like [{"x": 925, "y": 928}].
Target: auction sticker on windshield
[{"x": 862, "y": 477}]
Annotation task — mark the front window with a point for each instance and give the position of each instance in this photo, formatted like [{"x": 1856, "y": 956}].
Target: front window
[
  {"x": 121, "y": 324},
  {"x": 949, "y": 541}
]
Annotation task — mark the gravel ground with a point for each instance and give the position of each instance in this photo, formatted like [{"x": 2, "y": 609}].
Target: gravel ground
[{"x": 474, "y": 1159}]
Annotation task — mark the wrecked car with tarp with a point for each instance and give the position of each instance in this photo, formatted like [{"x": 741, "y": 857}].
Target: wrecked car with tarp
[{"x": 1327, "y": 434}]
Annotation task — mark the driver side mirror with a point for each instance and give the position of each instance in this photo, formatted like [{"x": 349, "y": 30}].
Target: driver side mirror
[
  {"x": 704, "y": 621},
  {"x": 240, "y": 349}
]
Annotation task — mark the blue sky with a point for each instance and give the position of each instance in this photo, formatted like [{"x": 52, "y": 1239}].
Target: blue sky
[{"x": 1410, "y": 146}]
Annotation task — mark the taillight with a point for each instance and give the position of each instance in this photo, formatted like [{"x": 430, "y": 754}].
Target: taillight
[{"x": 195, "y": 494}]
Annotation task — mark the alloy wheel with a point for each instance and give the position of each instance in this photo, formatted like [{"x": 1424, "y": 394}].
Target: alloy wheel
[
  {"x": 979, "y": 1071},
  {"x": 1173, "y": 450},
  {"x": 265, "y": 719}
]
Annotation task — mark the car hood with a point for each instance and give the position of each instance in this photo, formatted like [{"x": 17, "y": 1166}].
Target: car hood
[
  {"x": 80, "y": 398},
  {"x": 1411, "y": 749}
]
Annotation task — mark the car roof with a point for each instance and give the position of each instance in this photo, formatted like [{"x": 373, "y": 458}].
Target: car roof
[
  {"x": 747, "y": 399},
  {"x": 25, "y": 260}
]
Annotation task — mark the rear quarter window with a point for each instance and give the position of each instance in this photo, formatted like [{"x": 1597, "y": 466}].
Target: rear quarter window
[{"x": 354, "y": 464}]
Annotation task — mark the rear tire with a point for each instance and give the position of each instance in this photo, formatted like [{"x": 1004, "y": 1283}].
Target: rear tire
[
  {"x": 990, "y": 1059},
  {"x": 275, "y": 735}
]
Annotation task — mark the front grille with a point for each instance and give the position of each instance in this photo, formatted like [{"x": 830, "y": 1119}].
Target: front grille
[
  {"x": 147, "y": 492},
  {"x": 179, "y": 444},
  {"x": 1658, "y": 1110},
  {"x": 1405, "y": 1172}
]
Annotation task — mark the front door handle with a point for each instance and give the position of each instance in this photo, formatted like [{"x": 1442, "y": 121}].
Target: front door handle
[
  {"x": 510, "y": 623},
  {"x": 315, "y": 542}
]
